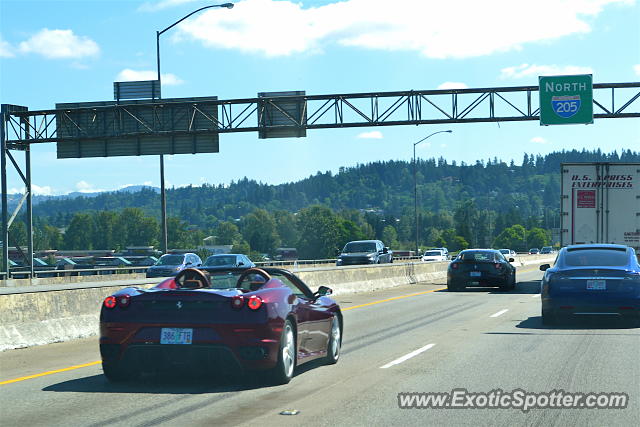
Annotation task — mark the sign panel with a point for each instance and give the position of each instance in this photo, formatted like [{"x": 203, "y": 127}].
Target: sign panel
[
  {"x": 586, "y": 198},
  {"x": 566, "y": 100},
  {"x": 136, "y": 128},
  {"x": 144, "y": 89},
  {"x": 281, "y": 118}
]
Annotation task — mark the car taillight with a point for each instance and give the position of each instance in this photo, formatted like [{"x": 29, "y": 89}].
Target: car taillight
[
  {"x": 454, "y": 265},
  {"x": 110, "y": 302},
  {"x": 255, "y": 302},
  {"x": 237, "y": 302},
  {"x": 124, "y": 300},
  {"x": 497, "y": 265}
]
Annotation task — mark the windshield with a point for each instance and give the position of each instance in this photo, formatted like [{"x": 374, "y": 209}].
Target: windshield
[
  {"x": 433, "y": 253},
  {"x": 478, "y": 256},
  {"x": 596, "y": 257},
  {"x": 360, "y": 247},
  {"x": 170, "y": 260},
  {"x": 219, "y": 260},
  {"x": 229, "y": 279}
]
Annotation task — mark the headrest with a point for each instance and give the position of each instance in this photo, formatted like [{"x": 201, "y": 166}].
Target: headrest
[{"x": 192, "y": 283}]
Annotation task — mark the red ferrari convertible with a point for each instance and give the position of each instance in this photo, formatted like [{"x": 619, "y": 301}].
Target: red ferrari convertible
[{"x": 233, "y": 320}]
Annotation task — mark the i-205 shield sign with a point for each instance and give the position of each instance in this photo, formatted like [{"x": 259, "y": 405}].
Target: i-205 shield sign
[{"x": 566, "y": 106}]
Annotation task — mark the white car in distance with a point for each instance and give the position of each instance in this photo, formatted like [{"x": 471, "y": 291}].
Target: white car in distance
[
  {"x": 508, "y": 253},
  {"x": 434, "y": 255}
]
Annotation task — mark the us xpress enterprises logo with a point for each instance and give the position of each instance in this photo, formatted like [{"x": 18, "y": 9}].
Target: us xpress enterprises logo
[{"x": 566, "y": 106}]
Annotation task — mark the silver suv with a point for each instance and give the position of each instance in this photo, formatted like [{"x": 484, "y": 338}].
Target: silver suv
[{"x": 365, "y": 252}]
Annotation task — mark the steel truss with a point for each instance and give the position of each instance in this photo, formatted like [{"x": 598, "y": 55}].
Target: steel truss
[{"x": 501, "y": 104}]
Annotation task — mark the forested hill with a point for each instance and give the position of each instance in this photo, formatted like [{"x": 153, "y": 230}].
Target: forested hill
[{"x": 531, "y": 185}]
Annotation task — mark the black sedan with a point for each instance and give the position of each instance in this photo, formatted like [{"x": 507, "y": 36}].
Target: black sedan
[
  {"x": 481, "y": 267},
  {"x": 595, "y": 280}
]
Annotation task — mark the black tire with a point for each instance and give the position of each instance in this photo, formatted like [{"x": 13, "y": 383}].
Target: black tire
[
  {"x": 114, "y": 373},
  {"x": 513, "y": 281},
  {"x": 287, "y": 356},
  {"x": 549, "y": 318},
  {"x": 335, "y": 341},
  {"x": 453, "y": 286}
]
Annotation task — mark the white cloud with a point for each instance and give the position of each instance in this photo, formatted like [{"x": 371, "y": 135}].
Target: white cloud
[
  {"x": 453, "y": 85},
  {"x": 529, "y": 70},
  {"x": 129, "y": 75},
  {"x": 41, "y": 191},
  {"x": 85, "y": 187},
  {"x": 539, "y": 140},
  {"x": 374, "y": 134},
  {"x": 279, "y": 28},
  {"x": 59, "y": 44},
  {"x": 37, "y": 190},
  {"x": 6, "y": 50},
  {"x": 636, "y": 68}
]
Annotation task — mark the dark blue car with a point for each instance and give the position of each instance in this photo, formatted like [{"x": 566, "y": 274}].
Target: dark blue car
[{"x": 591, "y": 280}]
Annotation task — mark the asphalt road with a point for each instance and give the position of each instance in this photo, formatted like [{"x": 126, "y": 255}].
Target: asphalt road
[{"x": 480, "y": 339}]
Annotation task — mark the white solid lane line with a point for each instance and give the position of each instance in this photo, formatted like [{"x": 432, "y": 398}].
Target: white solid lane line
[
  {"x": 407, "y": 356},
  {"x": 500, "y": 313}
]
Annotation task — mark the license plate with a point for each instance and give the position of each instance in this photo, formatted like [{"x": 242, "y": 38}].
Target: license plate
[
  {"x": 176, "y": 336},
  {"x": 475, "y": 273},
  {"x": 597, "y": 285}
]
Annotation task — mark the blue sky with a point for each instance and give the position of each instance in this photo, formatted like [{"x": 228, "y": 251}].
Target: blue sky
[{"x": 73, "y": 51}]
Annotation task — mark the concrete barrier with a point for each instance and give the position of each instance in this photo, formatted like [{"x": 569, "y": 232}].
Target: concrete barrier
[
  {"x": 35, "y": 315},
  {"x": 352, "y": 279}
]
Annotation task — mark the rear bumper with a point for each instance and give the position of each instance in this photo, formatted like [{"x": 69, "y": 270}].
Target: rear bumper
[
  {"x": 626, "y": 307},
  {"x": 484, "y": 280},
  {"x": 215, "y": 348},
  {"x": 205, "y": 358}
]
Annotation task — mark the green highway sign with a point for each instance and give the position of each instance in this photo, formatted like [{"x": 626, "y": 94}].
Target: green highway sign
[{"x": 566, "y": 100}]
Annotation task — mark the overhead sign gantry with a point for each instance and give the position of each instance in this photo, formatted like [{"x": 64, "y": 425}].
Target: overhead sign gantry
[{"x": 193, "y": 125}]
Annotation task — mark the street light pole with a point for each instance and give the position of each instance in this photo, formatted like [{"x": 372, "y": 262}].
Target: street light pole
[
  {"x": 415, "y": 183},
  {"x": 163, "y": 198}
]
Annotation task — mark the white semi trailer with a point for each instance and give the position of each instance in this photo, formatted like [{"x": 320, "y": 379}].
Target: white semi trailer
[{"x": 600, "y": 203}]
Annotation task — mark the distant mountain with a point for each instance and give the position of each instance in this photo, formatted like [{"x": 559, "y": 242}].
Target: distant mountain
[
  {"x": 137, "y": 188},
  {"x": 532, "y": 187},
  {"x": 14, "y": 199}
]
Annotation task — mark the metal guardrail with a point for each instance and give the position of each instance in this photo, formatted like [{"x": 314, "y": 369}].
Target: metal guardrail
[
  {"x": 318, "y": 262},
  {"x": 102, "y": 271},
  {"x": 16, "y": 272}
]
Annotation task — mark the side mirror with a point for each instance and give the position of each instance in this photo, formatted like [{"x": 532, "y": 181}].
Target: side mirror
[
  {"x": 511, "y": 260},
  {"x": 545, "y": 267},
  {"x": 323, "y": 291},
  {"x": 188, "y": 263},
  {"x": 385, "y": 250},
  {"x": 240, "y": 264}
]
